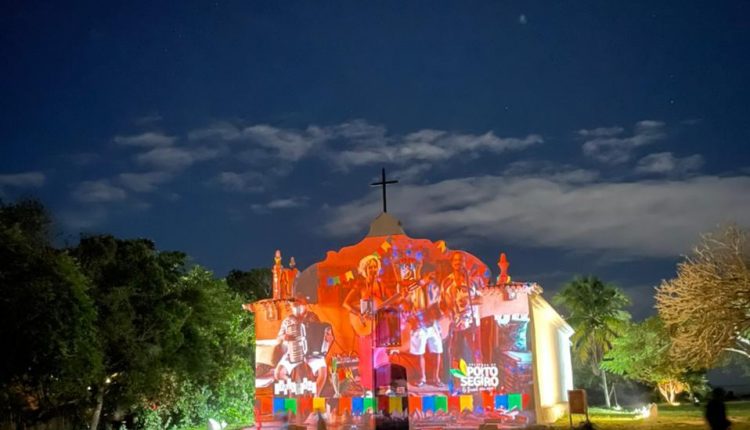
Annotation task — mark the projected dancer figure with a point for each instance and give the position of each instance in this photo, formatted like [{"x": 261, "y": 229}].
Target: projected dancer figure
[
  {"x": 293, "y": 334},
  {"x": 423, "y": 302},
  {"x": 461, "y": 297},
  {"x": 362, "y": 302}
]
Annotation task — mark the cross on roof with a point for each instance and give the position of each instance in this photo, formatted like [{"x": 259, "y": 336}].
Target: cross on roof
[{"x": 383, "y": 183}]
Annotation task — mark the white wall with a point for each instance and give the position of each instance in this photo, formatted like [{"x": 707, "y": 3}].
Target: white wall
[{"x": 552, "y": 365}]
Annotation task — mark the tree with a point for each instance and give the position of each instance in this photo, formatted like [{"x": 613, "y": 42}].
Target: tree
[
  {"x": 596, "y": 313},
  {"x": 212, "y": 377},
  {"x": 252, "y": 285},
  {"x": 176, "y": 341},
  {"x": 641, "y": 353},
  {"x": 135, "y": 289},
  {"x": 47, "y": 321},
  {"x": 707, "y": 306}
]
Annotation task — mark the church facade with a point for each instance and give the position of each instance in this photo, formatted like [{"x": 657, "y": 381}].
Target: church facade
[{"x": 395, "y": 329}]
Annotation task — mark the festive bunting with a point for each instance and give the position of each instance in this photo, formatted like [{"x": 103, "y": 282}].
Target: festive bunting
[
  {"x": 358, "y": 405},
  {"x": 336, "y": 280},
  {"x": 345, "y": 405},
  {"x": 278, "y": 405},
  {"x": 385, "y": 246},
  {"x": 369, "y": 404},
  {"x": 383, "y": 404},
  {"x": 290, "y": 404},
  {"x": 514, "y": 401},
  {"x": 349, "y": 276},
  {"x": 415, "y": 404},
  {"x": 304, "y": 405},
  {"x": 454, "y": 404},
  {"x": 395, "y": 404},
  {"x": 488, "y": 402},
  {"x": 441, "y": 245},
  {"x": 525, "y": 400},
  {"x": 467, "y": 402},
  {"x": 441, "y": 403},
  {"x": 428, "y": 403},
  {"x": 319, "y": 404},
  {"x": 501, "y": 401}
]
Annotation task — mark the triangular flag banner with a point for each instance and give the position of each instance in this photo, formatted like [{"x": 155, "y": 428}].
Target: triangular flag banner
[
  {"x": 290, "y": 404},
  {"x": 345, "y": 405},
  {"x": 454, "y": 404},
  {"x": 349, "y": 275},
  {"x": 385, "y": 246},
  {"x": 467, "y": 402},
  {"x": 441, "y": 245},
  {"x": 514, "y": 401},
  {"x": 415, "y": 404},
  {"x": 336, "y": 280},
  {"x": 357, "y": 405},
  {"x": 304, "y": 405},
  {"x": 319, "y": 404},
  {"x": 428, "y": 403},
  {"x": 395, "y": 404},
  {"x": 501, "y": 401},
  {"x": 278, "y": 405},
  {"x": 441, "y": 403},
  {"x": 369, "y": 403}
]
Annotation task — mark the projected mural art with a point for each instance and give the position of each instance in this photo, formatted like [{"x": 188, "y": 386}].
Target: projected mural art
[{"x": 394, "y": 328}]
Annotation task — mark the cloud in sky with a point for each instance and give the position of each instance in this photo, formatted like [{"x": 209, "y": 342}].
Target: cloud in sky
[
  {"x": 358, "y": 143},
  {"x": 176, "y": 158},
  {"x": 429, "y": 146},
  {"x": 647, "y": 219},
  {"x": 277, "y": 204},
  {"x": 665, "y": 163},
  {"x": 143, "y": 182},
  {"x": 23, "y": 180},
  {"x": 550, "y": 170},
  {"x": 149, "y": 139},
  {"x": 609, "y": 145},
  {"x": 286, "y": 144},
  {"x": 250, "y": 182},
  {"x": 101, "y": 191}
]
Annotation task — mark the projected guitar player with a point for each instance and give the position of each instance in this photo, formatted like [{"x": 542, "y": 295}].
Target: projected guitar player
[{"x": 361, "y": 303}]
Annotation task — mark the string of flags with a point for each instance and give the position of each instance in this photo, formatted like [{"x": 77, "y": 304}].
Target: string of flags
[
  {"x": 382, "y": 253},
  {"x": 393, "y": 404}
]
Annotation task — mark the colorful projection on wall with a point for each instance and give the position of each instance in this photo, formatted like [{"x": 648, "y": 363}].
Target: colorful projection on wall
[{"x": 396, "y": 327}]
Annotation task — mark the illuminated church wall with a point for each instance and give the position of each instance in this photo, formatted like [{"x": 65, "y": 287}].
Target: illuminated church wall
[{"x": 398, "y": 326}]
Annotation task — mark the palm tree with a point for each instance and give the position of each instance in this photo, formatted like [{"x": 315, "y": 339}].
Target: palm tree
[{"x": 596, "y": 313}]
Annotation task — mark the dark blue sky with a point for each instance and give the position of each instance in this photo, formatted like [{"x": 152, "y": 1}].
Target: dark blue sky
[{"x": 579, "y": 137}]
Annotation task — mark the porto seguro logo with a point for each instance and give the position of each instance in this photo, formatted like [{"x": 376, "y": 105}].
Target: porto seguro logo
[{"x": 476, "y": 376}]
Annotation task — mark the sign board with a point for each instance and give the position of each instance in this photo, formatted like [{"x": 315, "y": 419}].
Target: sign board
[{"x": 577, "y": 403}]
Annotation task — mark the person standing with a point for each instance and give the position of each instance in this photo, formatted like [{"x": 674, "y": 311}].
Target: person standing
[
  {"x": 716, "y": 411},
  {"x": 423, "y": 303},
  {"x": 362, "y": 303}
]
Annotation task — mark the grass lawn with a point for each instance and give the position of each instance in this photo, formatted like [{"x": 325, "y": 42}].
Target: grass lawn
[{"x": 670, "y": 417}]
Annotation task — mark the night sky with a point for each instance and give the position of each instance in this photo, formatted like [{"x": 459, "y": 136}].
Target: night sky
[{"x": 578, "y": 137}]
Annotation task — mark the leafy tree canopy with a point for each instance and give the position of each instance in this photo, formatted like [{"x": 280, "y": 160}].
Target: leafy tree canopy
[
  {"x": 251, "y": 285},
  {"x": 641, "y": 353},
  {"x": 47, "y": 320}
]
